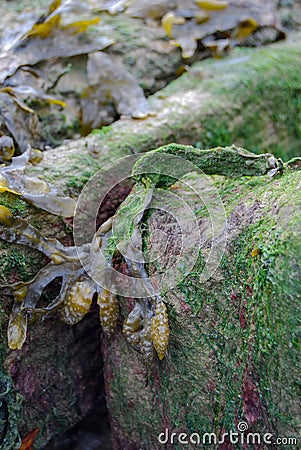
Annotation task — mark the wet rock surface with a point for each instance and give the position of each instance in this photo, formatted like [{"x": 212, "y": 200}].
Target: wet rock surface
[{"x": 66, "y": 388}]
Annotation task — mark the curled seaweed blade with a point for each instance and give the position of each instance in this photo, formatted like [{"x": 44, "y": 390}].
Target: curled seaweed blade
[
  {"x": 20, "y": 231},
  {"x": 201, "y": 17},
  {"x": 187, "y": 43},
  {"x": 74, "y": 297},
  {"x": 29, "y": 293},
  {"x": 29, "y": 92},
  {"x": 17, "y": 328},
  {"x": 214, "y": 20},
  {"x": 217, "y": 47},
  {"x": 52, "y": 202},
  {"x": 6, "y": 189},
  {"x": 36, "y": 191},
  {"x": 62, "y": 44},
  {"x": 45, "y": 24},
  {"x": 20, "y": 121},
  {"x": 109, "y": 79}
]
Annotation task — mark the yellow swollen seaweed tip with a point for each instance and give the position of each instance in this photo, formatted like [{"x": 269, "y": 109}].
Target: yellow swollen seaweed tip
[
  {"x": 212, "y": 5},
  {"x": 169, "y": 20},
  {"x": 6, "y": 216},
  {"x": 160, "y": 330},
  {"x": 17, "y": 330}
]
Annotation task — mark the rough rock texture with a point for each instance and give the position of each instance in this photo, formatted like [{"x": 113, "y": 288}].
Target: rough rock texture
[
  {"x": 211, "y": 105},
  {"x": 233, "y": 353},
  {"x": 249, "y": 99}
]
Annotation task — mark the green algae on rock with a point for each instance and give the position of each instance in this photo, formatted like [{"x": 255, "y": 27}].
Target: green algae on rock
[
  {"x": 233, "y": 352},
  {"x": 201, "y": 109},
  {"x": 69, "y": 263},
  {"x": 145, "y": 330}
]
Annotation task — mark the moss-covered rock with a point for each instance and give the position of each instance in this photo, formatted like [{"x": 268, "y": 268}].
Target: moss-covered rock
[
  {"x": 251, "y": 99},
  {"x": 234, "y": 352},
  {"x": 210, "y": 105}
]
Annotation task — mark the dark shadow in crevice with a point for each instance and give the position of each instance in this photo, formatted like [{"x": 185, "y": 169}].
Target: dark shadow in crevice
[{"x": 86, "y": 365}]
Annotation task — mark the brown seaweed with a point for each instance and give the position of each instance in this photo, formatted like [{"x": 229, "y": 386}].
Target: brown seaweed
[
  {"x": 110, "y": 86},
  {"x": 217, "y": 20},
  {"x": 48, "y": 38},
  {"x": 88, "y": 268},
  {"x": 34, "y": 190}
]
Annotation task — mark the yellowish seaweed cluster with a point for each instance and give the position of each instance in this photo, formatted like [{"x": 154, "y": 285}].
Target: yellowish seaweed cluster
[
  {"x": 76, "y": 291},
  {"x": 81, "y": 267},
  {"x": 216, "y": 24},
  {"x": 146, "y": 327},
  {"x": 147, "y": 331},
  {"x": 194, "y": 21},
  {"x": 139, "y": 325}
]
